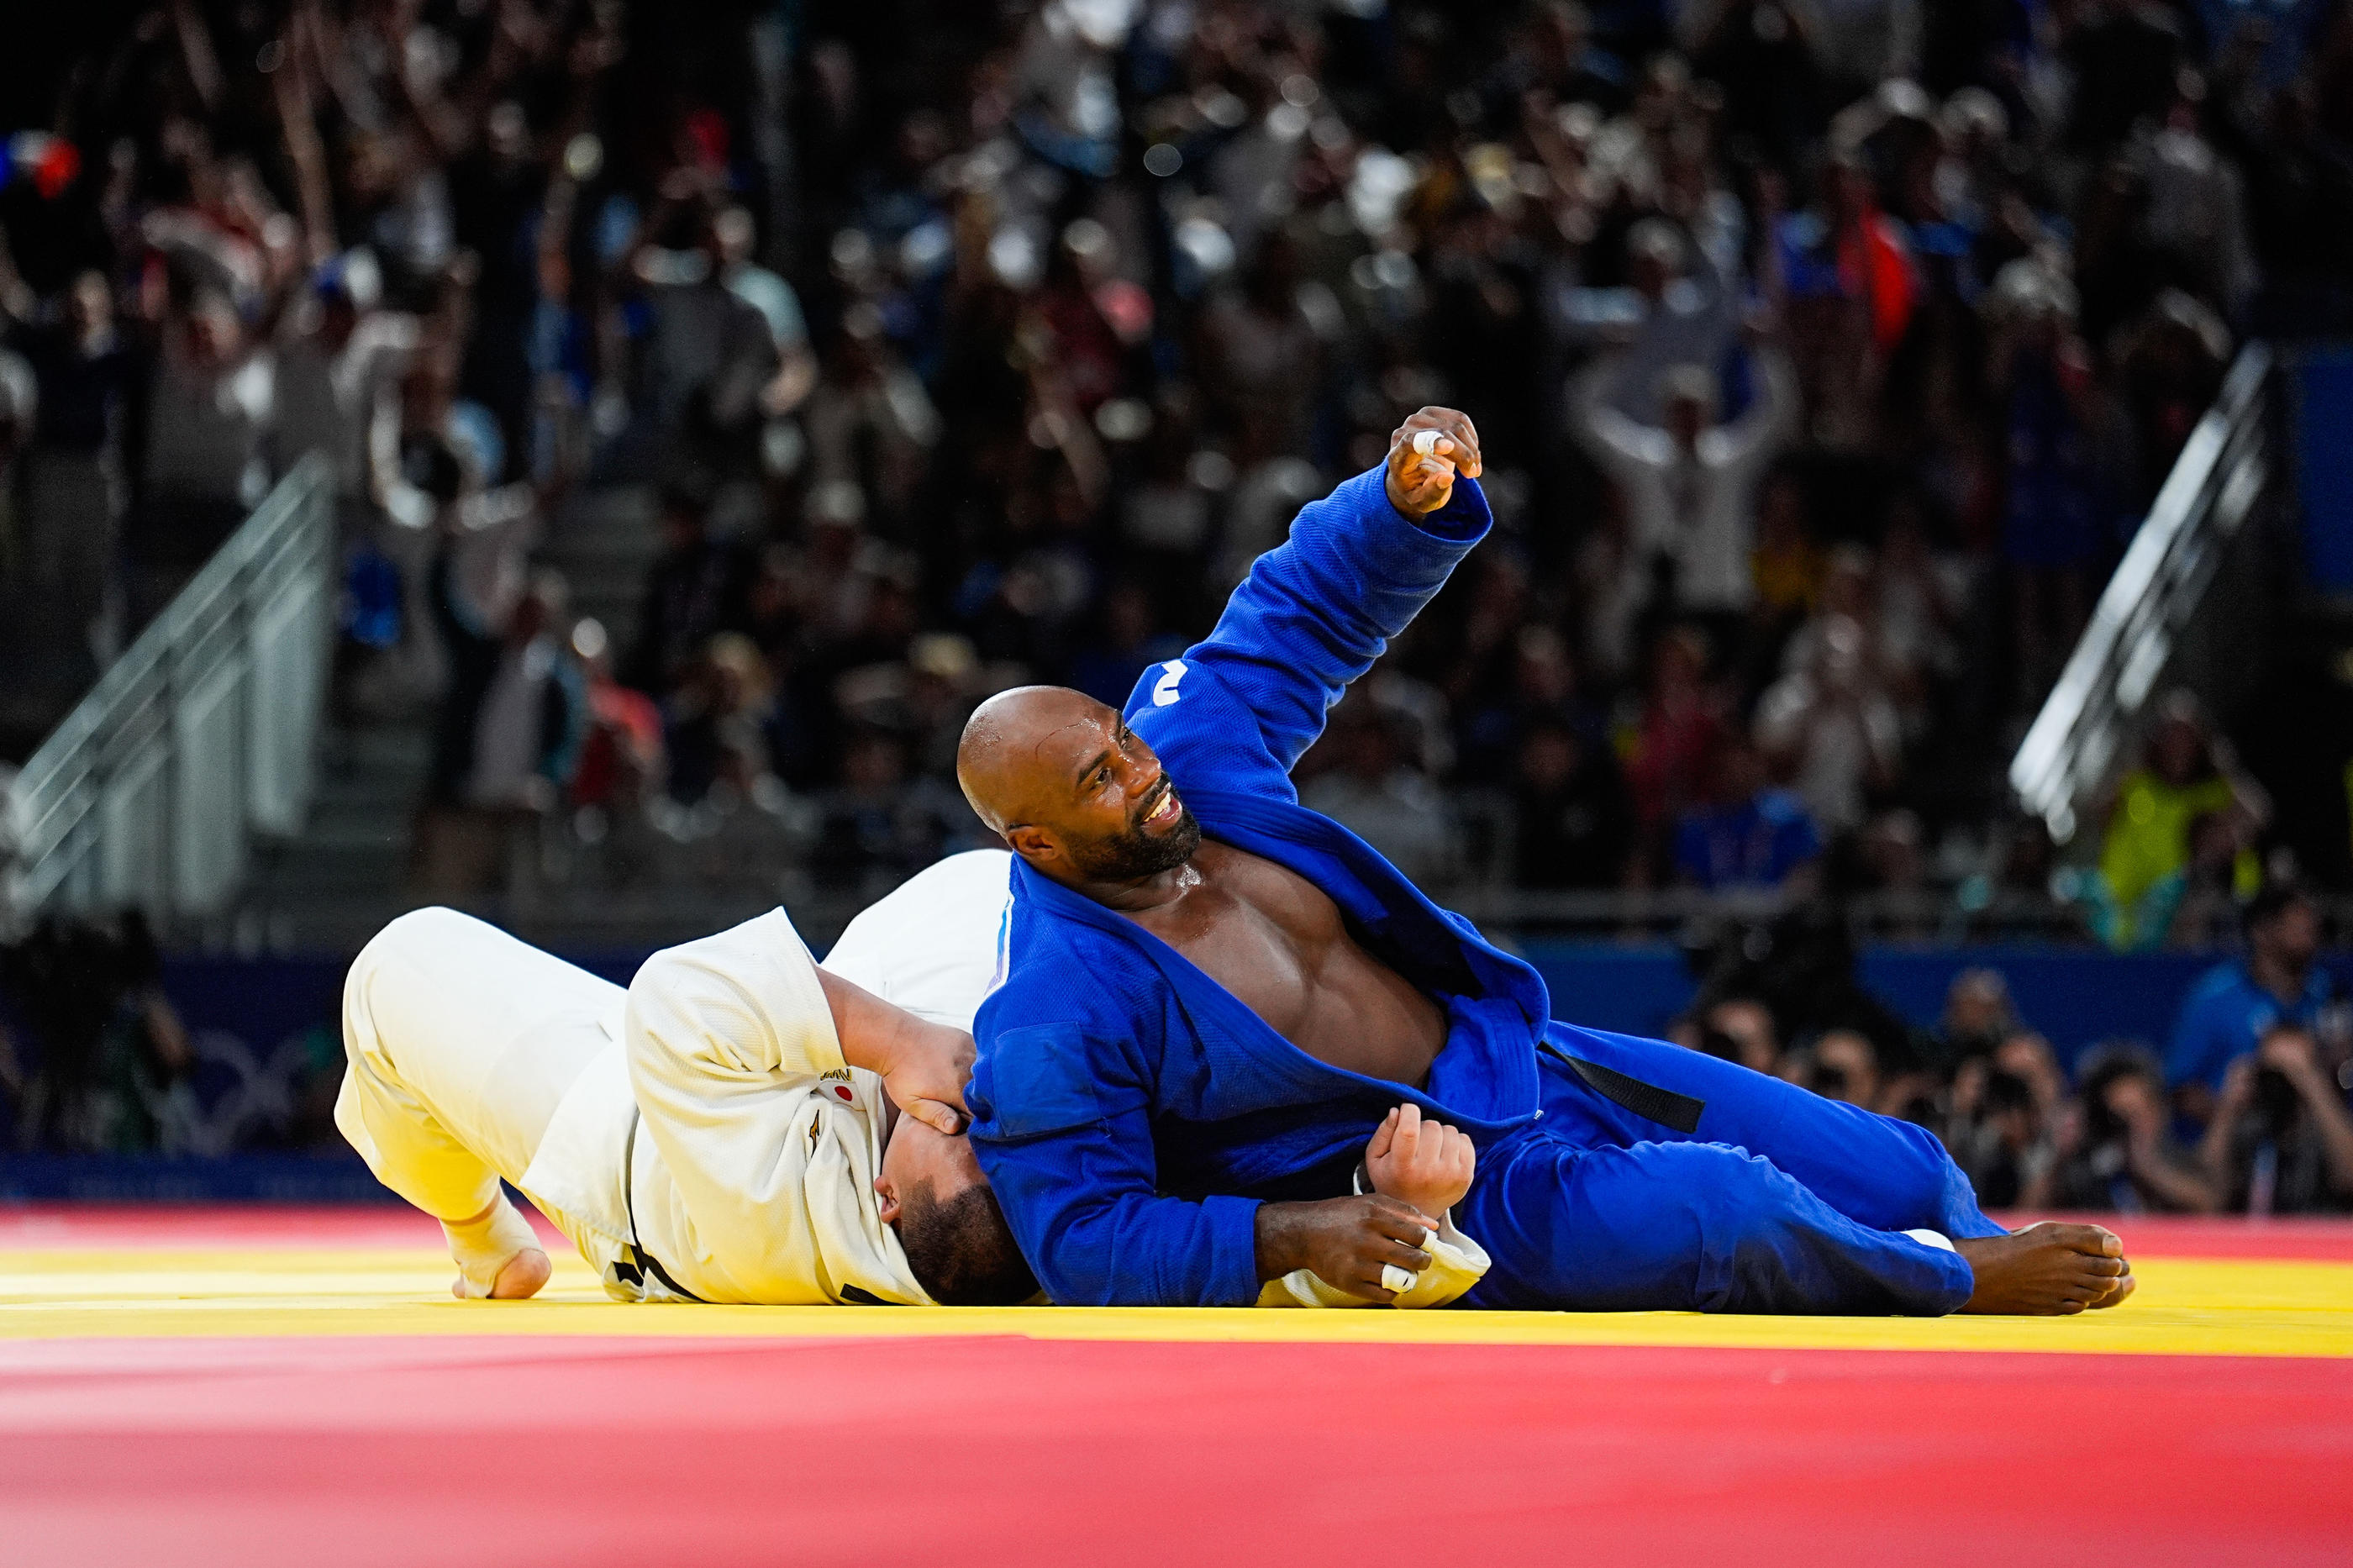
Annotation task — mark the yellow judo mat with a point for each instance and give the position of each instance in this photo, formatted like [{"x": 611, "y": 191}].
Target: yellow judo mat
[
  {"x": 250, "y": 1387},
  {"x": 2184, "y": 1306}
]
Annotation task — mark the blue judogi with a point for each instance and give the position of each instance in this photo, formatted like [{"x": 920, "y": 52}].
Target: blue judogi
[{"x": 1132, "y": 1113}]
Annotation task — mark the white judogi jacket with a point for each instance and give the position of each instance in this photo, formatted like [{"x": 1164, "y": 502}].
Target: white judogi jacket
[
  {"x": 758, "y": 1145},
  {"x": 720, "y": 1149}
]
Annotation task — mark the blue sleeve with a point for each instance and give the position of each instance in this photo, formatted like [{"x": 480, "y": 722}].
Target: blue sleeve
[
  {"x": 1062, "y": 1130},
  {"x": 1315, "y": 612}
]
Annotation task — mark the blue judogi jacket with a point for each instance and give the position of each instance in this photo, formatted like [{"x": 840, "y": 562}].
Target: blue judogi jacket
[{"x": 1130, "y": 1113}]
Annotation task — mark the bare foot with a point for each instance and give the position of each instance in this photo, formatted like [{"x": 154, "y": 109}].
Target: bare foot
[
  {"x": 522, "y": 1278},
  {"x": 2047, "y": 1269}
]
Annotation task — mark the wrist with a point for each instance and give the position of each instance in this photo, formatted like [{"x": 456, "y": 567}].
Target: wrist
[
  {"x": 1399, "y": 503},
  {"x": 1274, "y": 1235}
]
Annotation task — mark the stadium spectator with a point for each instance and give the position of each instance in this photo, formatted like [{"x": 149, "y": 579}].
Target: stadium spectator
[
  {"x": 1736, "y": 1028},
  {"x": 2000, "y": 1132},
  {"x": 1690, "y": 483},
  {"x": 2116, "y": 1151},
  {"x": 2280, "y": 1139},
  {"x": 1368, "y": 782},
  {"x": 1831, "y": 726},
  {"x": 696, "y": 588},
  {"x": 2145, "y": 851},
  {"x": 212, "y": 407},
  {"x": 1979, "y": 1013},
  {"x": 1680, "y": 727},
  {"x": 1573, "y": 822},
  {"x": 73, "y": 485},
  {"x": 2235, "y": 1004},
  {"x": 509, "y": 725},
  {"x": 1748, "y": 834}
]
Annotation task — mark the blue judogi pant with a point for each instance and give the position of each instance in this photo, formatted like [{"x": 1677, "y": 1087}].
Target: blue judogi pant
[{"x": 1779, "y": 1200}]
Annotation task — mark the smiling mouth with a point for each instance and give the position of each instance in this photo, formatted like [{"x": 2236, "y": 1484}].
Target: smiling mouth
[{"x": 1166, "y": 810}]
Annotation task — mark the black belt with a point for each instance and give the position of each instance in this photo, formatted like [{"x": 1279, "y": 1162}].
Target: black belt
[
  {"x": 1663, "y": 1105},
  {"x": 635, "y": 1262}
]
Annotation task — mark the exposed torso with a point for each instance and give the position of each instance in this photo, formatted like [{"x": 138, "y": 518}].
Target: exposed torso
[{"x": 1276, "y": 941}]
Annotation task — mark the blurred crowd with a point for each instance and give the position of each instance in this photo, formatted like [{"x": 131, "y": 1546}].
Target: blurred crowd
[
  {"x": 1825, "y": 359},
  {"x": 2249, "y": 1108}
]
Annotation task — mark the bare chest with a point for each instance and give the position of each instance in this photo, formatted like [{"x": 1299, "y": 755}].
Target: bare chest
[{"x": 1279, "y": 945}]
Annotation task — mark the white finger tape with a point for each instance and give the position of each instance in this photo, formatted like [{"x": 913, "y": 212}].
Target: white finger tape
[
  {"x": 1425, "y": 442},
  {"x": 1394, "y": 1278}
]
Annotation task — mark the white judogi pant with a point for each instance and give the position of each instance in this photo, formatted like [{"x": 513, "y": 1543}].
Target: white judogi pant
[{"x": 462, "y": 1045}]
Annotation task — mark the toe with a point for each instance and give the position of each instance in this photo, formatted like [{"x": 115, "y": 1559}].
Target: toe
[
  {"x": 2097, "y": 1241},
  {"x": 2119, "y": 1293}
]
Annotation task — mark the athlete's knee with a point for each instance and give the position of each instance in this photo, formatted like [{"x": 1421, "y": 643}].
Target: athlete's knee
[
  {"x": 411, "y": 940},
  {"x": 420, "y": 933},
  {"x": 1731, "y": 1189},
  {"x": 400, "y": 952}
]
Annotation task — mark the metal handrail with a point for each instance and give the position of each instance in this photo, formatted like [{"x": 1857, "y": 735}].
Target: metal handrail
[
  {"x": 2080, "y": 735},
  {"x": 198, "y": 739}
]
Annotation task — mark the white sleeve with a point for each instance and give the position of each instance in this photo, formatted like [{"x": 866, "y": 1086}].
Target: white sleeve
[
  {"x": 1456, "y": 1263},
  {"x": 713, "y": 1029}
]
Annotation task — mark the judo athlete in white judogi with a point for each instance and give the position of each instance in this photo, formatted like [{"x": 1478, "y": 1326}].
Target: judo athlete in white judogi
[{"x": 740, "y": 1124}]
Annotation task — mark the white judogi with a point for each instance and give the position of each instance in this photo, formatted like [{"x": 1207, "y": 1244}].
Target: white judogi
[{"x": 698, "y": 1135}]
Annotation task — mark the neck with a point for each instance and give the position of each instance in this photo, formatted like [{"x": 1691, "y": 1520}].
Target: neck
[{"x": 1139, "y": 895}]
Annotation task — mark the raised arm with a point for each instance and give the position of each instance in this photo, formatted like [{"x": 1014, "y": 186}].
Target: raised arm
[{"x": 1314, "y": 613}]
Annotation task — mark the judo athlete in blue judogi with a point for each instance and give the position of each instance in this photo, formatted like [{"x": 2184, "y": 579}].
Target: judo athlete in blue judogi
[{"x": 1214, "y": 996}]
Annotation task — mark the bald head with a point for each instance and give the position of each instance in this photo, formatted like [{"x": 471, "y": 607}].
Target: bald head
[
  {"x": 1074, "y": 790},
  {"x": 1014, "y": 742}
]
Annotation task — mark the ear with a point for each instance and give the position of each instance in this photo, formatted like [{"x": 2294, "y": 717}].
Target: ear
[
  {"x": 887, "y": 1211},
  {"x": 1035, "y": 845}
]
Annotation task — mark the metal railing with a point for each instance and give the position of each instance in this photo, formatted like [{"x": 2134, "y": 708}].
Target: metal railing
[
  {"x": 2077, "y": 739},
  {"x": 198, "y": 739}
]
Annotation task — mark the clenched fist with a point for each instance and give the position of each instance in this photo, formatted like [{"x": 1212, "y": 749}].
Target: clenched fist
[
  {"x": 1425, "y": 455},
  {"x": 1425, "y": 1163}
]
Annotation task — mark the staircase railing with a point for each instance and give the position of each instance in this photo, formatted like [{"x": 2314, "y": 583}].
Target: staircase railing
[
  {"x": 2090, "y": 714},
  {"x": 199, "y": 738}
]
